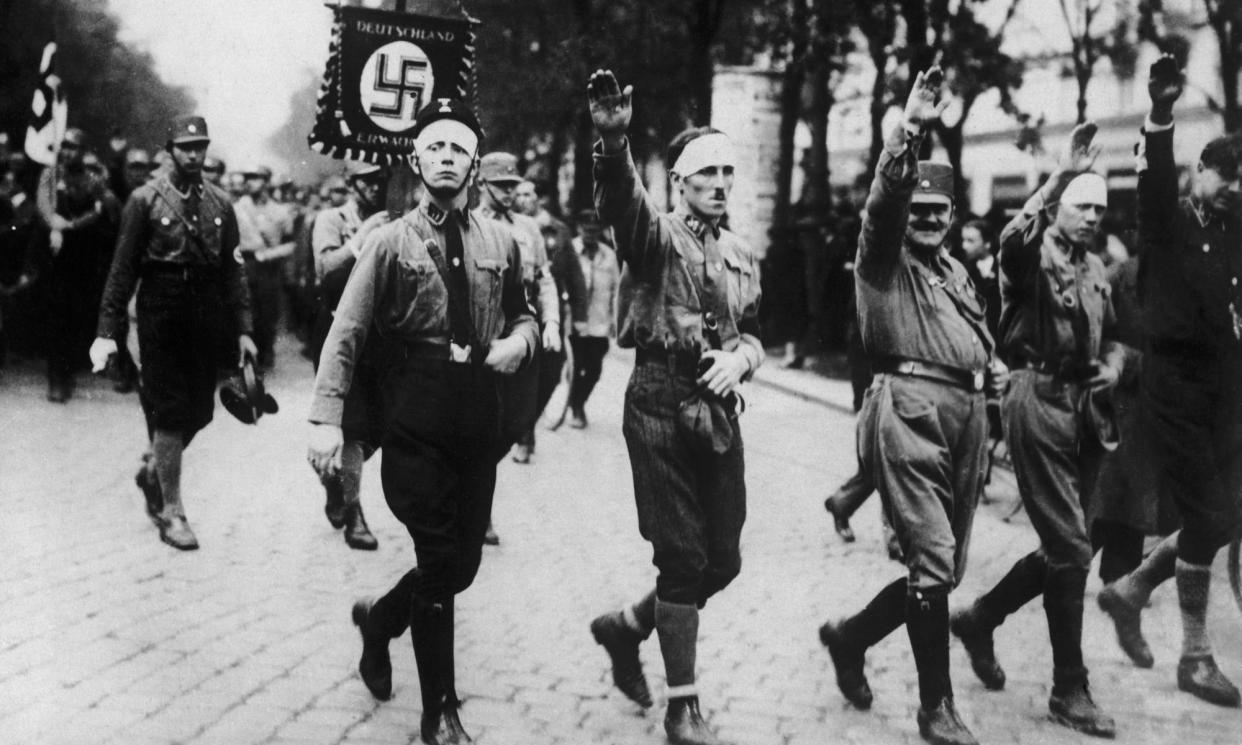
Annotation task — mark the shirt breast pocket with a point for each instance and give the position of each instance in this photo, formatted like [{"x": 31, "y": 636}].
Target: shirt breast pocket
[
  {"x": 421, "y": 296},
  {"x": 741, "y": 279},
  {"x": 485, "y": 291},
  {"x": 166, "y": 237}
]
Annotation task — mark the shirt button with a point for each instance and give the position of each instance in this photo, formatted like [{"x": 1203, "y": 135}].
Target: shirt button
[
  {"x": 974, "y": 340},
  {"x": 1234, "y": 281},
  {"x": 1206, "y": 248},
  {"x": 719, "y": 266}
]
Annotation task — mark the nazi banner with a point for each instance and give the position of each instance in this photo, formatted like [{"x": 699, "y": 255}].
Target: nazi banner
[{"x": 383, "y": 67}]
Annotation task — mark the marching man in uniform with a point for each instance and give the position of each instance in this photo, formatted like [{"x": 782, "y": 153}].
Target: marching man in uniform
[
  {"x": 1191, "y": 254},
  {"x": 444, "y": 289},
  {"x": 922, "y": 429},
  {"x": 336, "y": 241},
  {"x": 1058, "y": 333},
  {"x": 177, "y": 235},
  {"x": 689, "y": 303}
]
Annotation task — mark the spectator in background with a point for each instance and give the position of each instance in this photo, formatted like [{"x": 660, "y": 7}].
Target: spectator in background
[
  {"x": 594, "y": 314},
  {"x": 213, "y": 171},
  {"x": 978, "y": 255},
  {"x": 18, "y": 238},
  {"x": 264, "y": 258},
  {"x": 81, "y": 216}
]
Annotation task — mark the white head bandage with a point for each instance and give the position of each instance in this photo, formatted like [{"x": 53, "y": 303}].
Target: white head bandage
[
  {"x": 704, "y": 152},
  {"x": 450, "y": 131},
  {"x": 1086, "y": 188}
]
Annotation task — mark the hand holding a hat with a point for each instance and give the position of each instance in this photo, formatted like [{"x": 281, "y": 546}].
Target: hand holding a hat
[
  {"x": 324, "y": 451},
  {"x": 923, "y": 106},
  {"x": 611, "y": 107},
  {"x": 246, "y": 349},
  {"x": 1106, "y": 376}
]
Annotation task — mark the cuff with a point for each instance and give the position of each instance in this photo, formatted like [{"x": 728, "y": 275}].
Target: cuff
[
  {"x": 751, "y": 348},
  {"x": 1150, "y": 127},
  {"x": 327, "y": 410}
]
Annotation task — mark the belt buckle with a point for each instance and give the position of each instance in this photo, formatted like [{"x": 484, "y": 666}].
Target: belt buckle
[
  {"x": 977, "y": 380},
  {"x": 905, "y": 367}
]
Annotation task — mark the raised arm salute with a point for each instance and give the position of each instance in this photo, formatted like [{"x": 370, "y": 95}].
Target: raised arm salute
[
  {"x": 1191, "y": 264},
  {"x": 688, "y": 303},
  {"x": 922, "y": 430}
]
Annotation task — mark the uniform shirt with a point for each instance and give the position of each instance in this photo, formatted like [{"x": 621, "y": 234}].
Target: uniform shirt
[
  {"x": 156, "y": 229},
  {"x": 1192, "y": 259},
  {"x": 395, "y": 286},
  {"x": 270, "y": 218},
  {"x": 333, "y": 229},
  {"x": 1051, "y": 291},
  {"x": 658, "y": 304},
  {"x": 602, "y": 277},
  {"x": 910, "y": 307},
  {"x": 536, "y": 271}
]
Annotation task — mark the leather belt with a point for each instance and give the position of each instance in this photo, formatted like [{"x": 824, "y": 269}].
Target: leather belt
[
  {"x": 970, "y": 380},
  {"x": 678, "y": 362},
  {"x": 184, "y": 272},
  {"x": 1063, "y": 369},
  {"x": 430, "y": 350}
]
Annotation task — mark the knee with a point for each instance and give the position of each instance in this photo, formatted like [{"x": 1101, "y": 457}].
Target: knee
[
  {"x": 682, "y": 578},
  {"x": 717, "y": 577}
]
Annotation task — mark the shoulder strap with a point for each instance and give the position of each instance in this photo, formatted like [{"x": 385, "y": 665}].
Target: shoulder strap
[
  {"x": 190, "y": 228},
  {"x": 458, "y": 307}
]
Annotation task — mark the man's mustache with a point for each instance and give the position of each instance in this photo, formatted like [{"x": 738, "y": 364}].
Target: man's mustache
[{"x": 927, "y": 225}]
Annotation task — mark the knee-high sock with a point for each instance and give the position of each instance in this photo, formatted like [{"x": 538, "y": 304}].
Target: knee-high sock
[
  {"x": 1136, "y": 587},
  {"x": 927, "y": 624},
  {"x": 1193, "y": 582},
  {"x": 880, "y": 617},
  {"x": 678, "y": 628},
  {"x": 166, "y": 449}
]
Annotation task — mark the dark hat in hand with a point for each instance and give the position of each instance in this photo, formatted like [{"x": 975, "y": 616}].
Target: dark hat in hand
[{"x": 244, "y": 397}]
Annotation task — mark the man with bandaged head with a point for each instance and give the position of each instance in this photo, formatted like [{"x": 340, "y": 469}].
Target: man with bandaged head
[
  {"x": 1191, "y": 253},
  {"x": 443, "y": 287},
  {"x": 922, "y": 429},
  {"x": 1058, "y": 337},
  {"x": 688, "y": 303}
]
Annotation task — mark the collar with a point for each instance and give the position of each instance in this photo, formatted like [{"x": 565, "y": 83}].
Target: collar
[
  {"x": 492, "y": 213},
  {"x": 1073, "y": 252},
  {"x": 697, "y": 226},
  {"x": 1205, "y": 216},
  {"x": 184, "y": 187},
  {"x": 437, "y": 216}
]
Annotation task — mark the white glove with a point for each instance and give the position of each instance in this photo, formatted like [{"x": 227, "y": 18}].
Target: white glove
[{"x": 101, "y": 350}]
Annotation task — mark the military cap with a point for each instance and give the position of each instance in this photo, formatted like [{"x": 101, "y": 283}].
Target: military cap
[
  {"x": 362, "y": 170},
  {"x": 446, "y": 108},
  {"x": 935, "y": 178},
  {"x": 187, "y": 129},
  {"x": 255, "y": 170},
  {"x": 499, "y": 167},
  {"x": 213, "y": 165},
  {"x": 335, "y": 183}
]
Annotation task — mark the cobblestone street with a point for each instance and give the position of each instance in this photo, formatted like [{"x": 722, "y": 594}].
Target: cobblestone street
[{"x": 107, "y": 636}]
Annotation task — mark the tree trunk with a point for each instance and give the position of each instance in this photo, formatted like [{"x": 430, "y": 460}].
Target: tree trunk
[
  {"x": 1229, "y": 69},
  {"x": 878, "y": 107},
  {"x": 703, "y": 28}
]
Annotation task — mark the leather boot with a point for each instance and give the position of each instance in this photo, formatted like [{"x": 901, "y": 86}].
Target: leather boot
[
  {"x": 442, "y": 726},
  {"x": 334, "y": 501},
  {"x": 357, "y": 534},
  {"x": 489, "y": 537},
  {"x": 621, "y": 642},
  {"x": 374, "y": 667},
  {"x": 975, "y": 624},
  {"x": 1128, "y": 623},
  {"x": 1071, "y": 706},
  {"x": 1201, "y": 677},
  {"x": 941, "y": 725},
  {"x": 848, "y": 641},
  {"x": 976, "y": 636},
  {"x": 685, "y": 725}
]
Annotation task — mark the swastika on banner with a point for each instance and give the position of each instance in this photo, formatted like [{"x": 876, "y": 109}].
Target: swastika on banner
[{"x": 396, "y": 82}]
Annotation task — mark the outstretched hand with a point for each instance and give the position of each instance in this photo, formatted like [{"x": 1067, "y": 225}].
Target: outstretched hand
[
  {"x": 611, "y": 107},
  {"x": 923, "y": 106},
  {"x": 1080, "y": 153},
  {"x": 1164, "y": 83}
]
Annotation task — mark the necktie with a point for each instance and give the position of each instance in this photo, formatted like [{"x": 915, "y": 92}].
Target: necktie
[
  {"x": 458, "y": 289},
  {"x": 715, "y": 287}
]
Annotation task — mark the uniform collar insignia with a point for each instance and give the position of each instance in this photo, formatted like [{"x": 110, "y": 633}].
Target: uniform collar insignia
[
  {"x": 437, "y": 216},
  {"x": 698, "y": 227}
]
